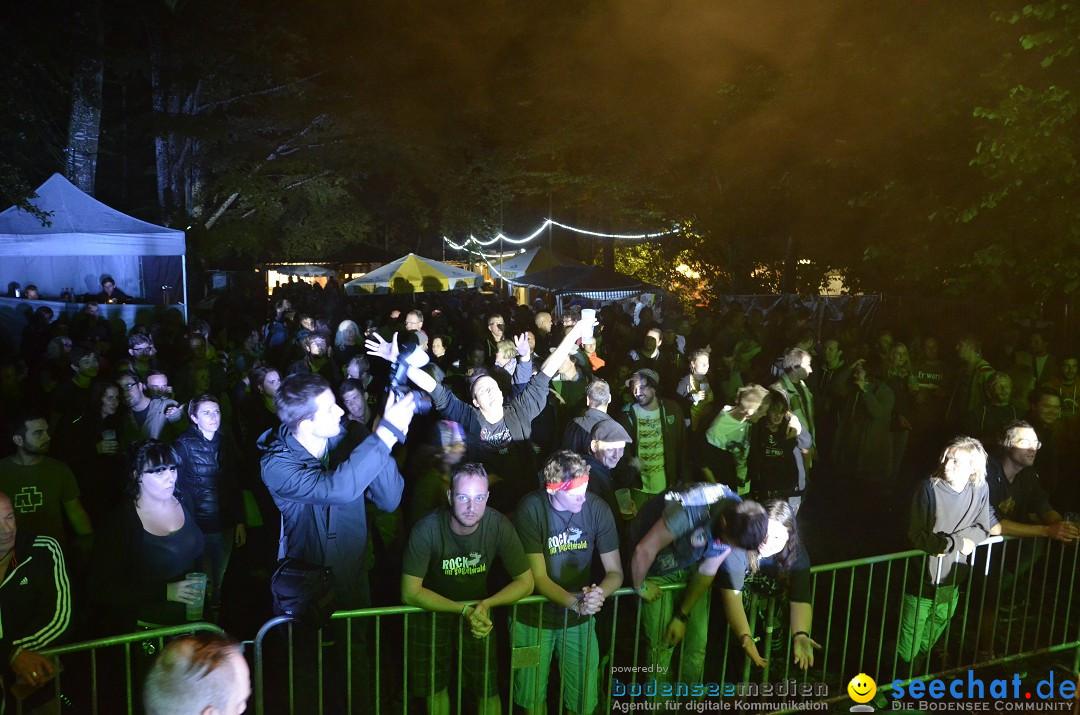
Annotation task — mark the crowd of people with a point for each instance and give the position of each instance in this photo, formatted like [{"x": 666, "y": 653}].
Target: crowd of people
[{"x": 458, "y": 452}]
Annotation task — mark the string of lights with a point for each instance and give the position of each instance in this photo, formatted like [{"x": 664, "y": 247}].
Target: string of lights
[
  {"x": 464, "y": 247},
  {"x": 551, "y": 222}
]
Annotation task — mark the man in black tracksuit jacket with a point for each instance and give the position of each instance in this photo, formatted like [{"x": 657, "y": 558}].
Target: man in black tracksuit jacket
[{"x": 35, "y": 602}]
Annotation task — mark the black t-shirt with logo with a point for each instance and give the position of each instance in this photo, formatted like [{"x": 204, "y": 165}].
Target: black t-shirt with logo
[
  {"x": 457, "y": 566},
  {"x": 568, "y": 542}
]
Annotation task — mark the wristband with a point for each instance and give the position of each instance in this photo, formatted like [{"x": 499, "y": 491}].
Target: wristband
[
  {"x": 15, "y": 654},
  {"x": 796, "y": 634},
  {"x": 742, "y": 641},
  {"x": 398, "y": 434},
  {"x": 678, "y": 615},
  {"x": 464, "y": 608},
  {"x": 644, "y": 586}
]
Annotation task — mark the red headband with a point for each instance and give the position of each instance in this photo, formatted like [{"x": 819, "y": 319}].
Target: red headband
[{"x": 569, "y": 484}]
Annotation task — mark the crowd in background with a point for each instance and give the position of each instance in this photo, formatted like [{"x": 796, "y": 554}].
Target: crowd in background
[{"x": 842, "y": 422}]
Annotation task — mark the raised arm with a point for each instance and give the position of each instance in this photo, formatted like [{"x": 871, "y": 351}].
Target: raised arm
[{"x": 554, "y": 361}]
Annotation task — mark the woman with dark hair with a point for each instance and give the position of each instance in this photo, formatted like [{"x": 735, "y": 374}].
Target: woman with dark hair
[
  {"x": 207, "y": 474},
  {"x": 780, "y": 567},
  {"x": 774, "y": 464},
  {"x": 684, "y": 537},
  {"x": 142, "y": 553}
]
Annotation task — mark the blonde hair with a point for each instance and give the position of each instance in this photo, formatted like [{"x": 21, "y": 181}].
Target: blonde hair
[{"x": 971, "y": 447}]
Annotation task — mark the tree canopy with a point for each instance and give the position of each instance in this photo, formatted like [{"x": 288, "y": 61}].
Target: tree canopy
[{"x": 924, "y": 151}]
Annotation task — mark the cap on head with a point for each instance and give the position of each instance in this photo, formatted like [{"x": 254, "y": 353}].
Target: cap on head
[{"x": 609, "y": 431}]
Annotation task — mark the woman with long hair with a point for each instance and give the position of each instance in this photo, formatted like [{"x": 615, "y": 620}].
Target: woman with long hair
[
  {"x": 950, "y": 516},
  {"x": 347, "y": 342},
  {"x": 779, "y": 568}
]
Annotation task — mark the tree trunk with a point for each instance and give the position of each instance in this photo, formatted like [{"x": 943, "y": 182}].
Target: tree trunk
[
  {"x": 169, "y": 98},
  {"x": 84, "y": 127}
]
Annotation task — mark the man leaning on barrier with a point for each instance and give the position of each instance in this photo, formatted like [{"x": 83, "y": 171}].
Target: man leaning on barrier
[
  {"x": 448, "y": 560},
  {"x": 198, "y": 674},
  {"x": 1019, "y": 506},
  {"x": 779, "y": 568},
  {"x": 35, "y": 607},
  {"x": 562, "y": 528}
]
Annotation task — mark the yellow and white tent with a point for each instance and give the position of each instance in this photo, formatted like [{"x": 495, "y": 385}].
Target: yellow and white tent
[{"x": 413, "y": 274}]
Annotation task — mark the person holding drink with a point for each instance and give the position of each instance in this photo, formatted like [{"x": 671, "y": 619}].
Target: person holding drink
[
  {"x": 146, "y": 547},
  {"x": 93, "y": 444}
]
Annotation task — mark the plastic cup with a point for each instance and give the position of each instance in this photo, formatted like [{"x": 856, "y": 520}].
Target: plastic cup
[
  {"x": 588, "y": 317},
  {"x": 626, "y": 501},
  {"x": 195, "y": 610},
  {"x": 109, "y": 435}
]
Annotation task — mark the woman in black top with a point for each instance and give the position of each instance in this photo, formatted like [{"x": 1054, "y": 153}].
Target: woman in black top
[{"x": 142, "y": 553}]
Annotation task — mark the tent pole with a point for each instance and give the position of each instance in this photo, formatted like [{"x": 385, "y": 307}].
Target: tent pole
[{"x": 183, "y": 264}]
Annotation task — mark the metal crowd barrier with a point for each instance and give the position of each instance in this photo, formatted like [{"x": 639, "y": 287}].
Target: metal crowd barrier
[
  {"x": 360, "y": 662},
  {"x": 998, "y": 620},
  {"x": 122, "y": 664}
]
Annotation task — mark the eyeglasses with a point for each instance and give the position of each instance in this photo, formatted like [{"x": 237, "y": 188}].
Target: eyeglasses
[
  {"x": 127, "y": 385},
  {"x": 1027, "y": 444}
]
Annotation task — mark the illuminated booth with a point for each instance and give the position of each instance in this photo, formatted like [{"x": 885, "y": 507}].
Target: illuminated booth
[{"x": 84, "y": 240}]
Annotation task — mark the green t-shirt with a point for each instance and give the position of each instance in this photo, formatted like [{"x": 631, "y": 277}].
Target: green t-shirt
[
  {"x": 650, "y": 450},
  {"x": 457, "y": 566},
  {"x": 732, "y": 436},
  {"x": 568, "y": 542},
  {"x": 38, "y": 494}
]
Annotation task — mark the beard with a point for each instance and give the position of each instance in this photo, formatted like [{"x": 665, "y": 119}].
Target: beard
[{"x": 38, "y": 450}]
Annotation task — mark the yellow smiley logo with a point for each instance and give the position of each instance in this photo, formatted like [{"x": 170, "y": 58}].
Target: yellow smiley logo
[{"x": 862, "y": 688}]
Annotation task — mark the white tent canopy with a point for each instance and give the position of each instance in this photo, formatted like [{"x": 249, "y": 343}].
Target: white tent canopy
[
  {"x": 413, "y": 274},
  {"x": 84, "y": 240}
]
